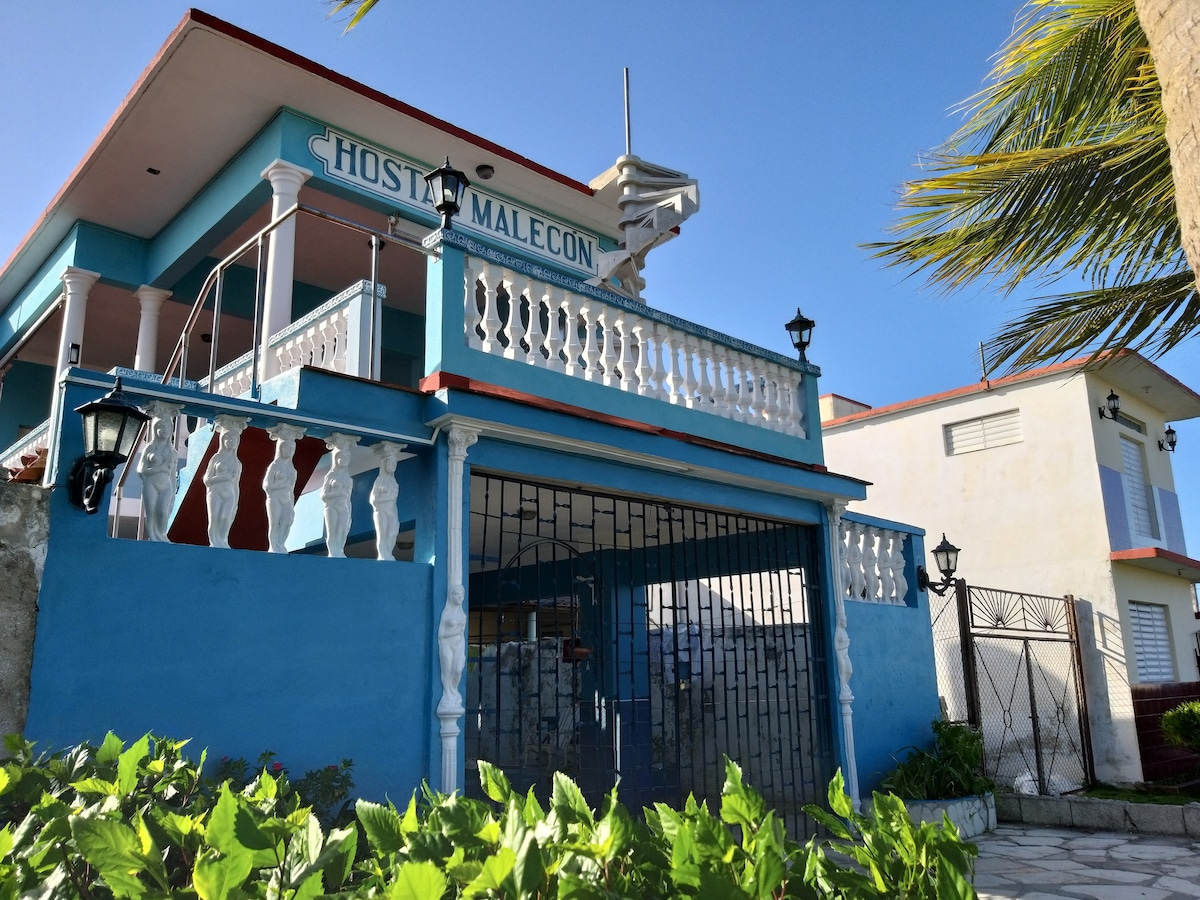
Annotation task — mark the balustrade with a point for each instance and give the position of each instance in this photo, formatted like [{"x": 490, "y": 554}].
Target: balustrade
[
  {"x": 511, "y": 315},
  {"x": 872, "y": 563}
]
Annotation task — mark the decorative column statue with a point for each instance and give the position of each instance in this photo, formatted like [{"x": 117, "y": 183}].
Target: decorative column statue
[
  {"x": 335, "y": 494},
  {"x": 222, "y": 479},
  {"x": 384, "y": 494},
  {"x": 159, "y": 469},
  {"x": 279, "y": 484}
]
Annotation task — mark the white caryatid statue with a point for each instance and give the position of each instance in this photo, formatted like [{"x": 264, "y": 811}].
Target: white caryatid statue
[
  {"x": 654, "y": 201},
  {"x": 159, "y": 469},
  {"x": 384, "y": 494},
  {"x": 335, "y": 494},
  {"x": 221, "y": 480},
  {"x": 279, "y": 484}
]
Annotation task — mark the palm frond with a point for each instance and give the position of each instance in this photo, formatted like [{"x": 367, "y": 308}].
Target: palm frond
[
  {"x": 360, "y": 8},
  {"x": 1150, "y": 317}
]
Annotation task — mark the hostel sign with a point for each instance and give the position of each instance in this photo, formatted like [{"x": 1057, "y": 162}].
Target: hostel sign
[{"x": 372, "y": 169}]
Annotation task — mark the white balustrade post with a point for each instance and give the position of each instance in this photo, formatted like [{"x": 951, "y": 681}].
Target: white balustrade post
[
  {"x": 854, "y": 556},
  {"x": 336, "y": 492},
  {"x": 591, "y": 349},
  {"x": 662, "y": 387},
  {"x": 870, "y": 563},
  {"x": 452, "y": 626},
  {"x": 491, "y": 278},
  {"x": 771, "y": 396},
  {"x": 159, "y": 469},
  {"x": 286, "y": 180},
  {"x": 898, "y": 579},
  {"x": 539, "y": 295},
  {"x": 554, "y": 330},
  {"x": 608, "y": 358},
  {"x": 625, "y": 360},
  {"x": 279, "y": 484},
  {"x": 572, "y": 349},
  {"x": 720, "y": 393},
  {"x": 705, "y": 390},
  {"x": 886, "y": 586},
  {"x": 385, "y": 495},
  {"x": 472, "y": 318},
  {"x": 222, "y": 479},
  {"x": 675, "y": 379},
  {"x": 150, "y": 301},
  {"x": 514, "y": 328},
  {"x": 688, "y": 346},
  {"x": 644, "y": 370}
]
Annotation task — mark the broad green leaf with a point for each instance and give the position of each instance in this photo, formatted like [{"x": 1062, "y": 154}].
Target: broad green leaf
[
  {"x": 494, "y": 782},
  {"x": 232, "y": 829},
  {"x": 342, "y": 848},
  {"x": 110, "y": 749},
  {"x": 529, "y": 869},
  {"x": 96, "y": 786},
  {"x": 495, "y": 871},
  {"x": 411, "y": 821},
  {"x": 838, "y": 801},
  {"x": 769, "y": 872},
  {"x": 533, "y": 809},
  {"x": 418, "y": 881},
  {"x": 382, "y": 826},
  {"x": 951, "y": 883},
  {"x": 114, "y": 850},
  {"x": 6, "y": 840},
  {"x": 217, "y": 877},
  {"x": 567, "y": 800},
  {"x": 128, "y": 762}
]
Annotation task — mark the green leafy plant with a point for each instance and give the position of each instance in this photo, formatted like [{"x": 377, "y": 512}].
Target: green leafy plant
[
  {"x": 1181, "y": 725},
  {"x": 141, "y": 822},
  {"x": 951, "y": 770}
]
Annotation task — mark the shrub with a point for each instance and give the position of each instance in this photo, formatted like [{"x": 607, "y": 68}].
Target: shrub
[
  {"x": 142, "y": 823},
  {"x": 1181, "y": 725},
  {"x": 951, "y": 770}
]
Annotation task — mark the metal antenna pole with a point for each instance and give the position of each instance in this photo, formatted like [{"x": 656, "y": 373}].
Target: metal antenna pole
[{"x": 628, "y": 138}]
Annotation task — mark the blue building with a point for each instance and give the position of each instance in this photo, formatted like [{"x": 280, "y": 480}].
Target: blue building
[{"x": 422, "y": 495}]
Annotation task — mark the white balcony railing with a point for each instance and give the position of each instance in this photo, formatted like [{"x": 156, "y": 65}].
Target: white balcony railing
[
  {"x": 872, "y": 563},
  {"x": 510, "y": 314},
  {"x": 336, "y": 337},
  {"x": 20, "y": 454}
]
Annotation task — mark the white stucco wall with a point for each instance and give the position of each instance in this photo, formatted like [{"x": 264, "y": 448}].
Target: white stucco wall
[{"x": 1030, "y": 517}]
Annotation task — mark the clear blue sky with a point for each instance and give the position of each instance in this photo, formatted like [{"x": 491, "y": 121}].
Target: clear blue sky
[{"x": 800, "y": 121}]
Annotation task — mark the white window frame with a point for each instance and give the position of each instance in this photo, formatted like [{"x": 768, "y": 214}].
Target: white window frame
[
  {"x": 994, "y": 430},
  {"x": 1150, "y": 629},
  {"x": 1135, "y": 481}
]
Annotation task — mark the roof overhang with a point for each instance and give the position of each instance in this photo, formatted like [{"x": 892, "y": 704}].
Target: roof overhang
[
  {"x": 207, "y": 93},
  {"x": 1156, "y": 559}
]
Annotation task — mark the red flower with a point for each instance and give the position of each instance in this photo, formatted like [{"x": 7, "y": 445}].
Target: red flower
[
  {"x": 276, "y": 766},
  {"x": 332, "y": 768}
]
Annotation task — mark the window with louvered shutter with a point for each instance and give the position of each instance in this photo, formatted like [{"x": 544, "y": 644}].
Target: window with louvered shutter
[
  {"x": 984, "y": 433},
  {"x": 1143, "y": 521},
  {"x": 1151, "y": 642}
]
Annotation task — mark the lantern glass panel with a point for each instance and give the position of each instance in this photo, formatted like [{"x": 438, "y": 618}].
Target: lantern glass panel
[{"x": 109, "y": 423}]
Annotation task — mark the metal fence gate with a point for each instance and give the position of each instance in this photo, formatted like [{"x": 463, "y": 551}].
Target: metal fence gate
[
  {"x": 1009, "y": 663},
  {"x": 614, "y": 637}
]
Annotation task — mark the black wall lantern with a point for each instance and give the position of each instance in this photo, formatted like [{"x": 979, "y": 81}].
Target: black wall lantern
[
  {"x": 1111, "y": 407},
  {"x": 447, "y": 185},
  {"x": 1170, "y": 439},
  {"x": 800, "y": 331},
  {"x": 945, "y": 557},
  {"x": 110, "y": 427}
]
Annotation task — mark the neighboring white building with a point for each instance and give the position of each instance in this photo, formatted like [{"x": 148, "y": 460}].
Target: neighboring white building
[{"x": 1045, "y": 496}]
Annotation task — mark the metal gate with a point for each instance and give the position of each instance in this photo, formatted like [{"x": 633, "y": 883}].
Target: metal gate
[
  {"x": 615, "y": 637},
  {"x": 1009, "y": 663}
]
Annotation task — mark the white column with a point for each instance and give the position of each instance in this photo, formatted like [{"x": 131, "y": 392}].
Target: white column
[
  {"x": 77, "y": 283},
  {"x": 452, "y": 627},
  {"x": 151, "y": 300},
  {"x": 841, "y": 648},
  {"x": 286, "y": 180}
]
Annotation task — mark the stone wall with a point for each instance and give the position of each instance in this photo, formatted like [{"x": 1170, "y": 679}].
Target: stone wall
[{"x": 24, "y": 528}]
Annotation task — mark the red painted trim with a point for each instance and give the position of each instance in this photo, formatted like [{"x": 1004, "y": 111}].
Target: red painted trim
[
  {"x": 440, "y": 380},
  {"x": 301, "y": 62},
  {"x": 982, "y": 386},
  {"x": 1138, "y": 553}
]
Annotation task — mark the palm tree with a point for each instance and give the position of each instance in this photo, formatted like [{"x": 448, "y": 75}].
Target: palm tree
[
  {"x": 1062, "y": 167},
  {"x": 360, "y": 8}
]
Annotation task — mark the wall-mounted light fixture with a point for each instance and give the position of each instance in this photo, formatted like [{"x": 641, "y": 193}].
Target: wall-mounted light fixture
[
  {"x": 945, "y": 557},
  {"x": 447, "y": 185},
  {"x": 1111, "y": 407},
  {"x": 800, "y": 331},
  {"x": 110, "y": 428},
  {"x": 485, "y": 171},
  {"x": 73, "y": 354},
  {"x": 1170, "y": 439}
]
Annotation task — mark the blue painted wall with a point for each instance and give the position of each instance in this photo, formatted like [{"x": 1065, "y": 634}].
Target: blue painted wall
[
  {"x": 24, "y": 399},
  {"x": 1112, "y": 488}
]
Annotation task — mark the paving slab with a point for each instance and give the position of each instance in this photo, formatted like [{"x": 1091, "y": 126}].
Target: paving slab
[{"x": 1027, "y": 862}]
